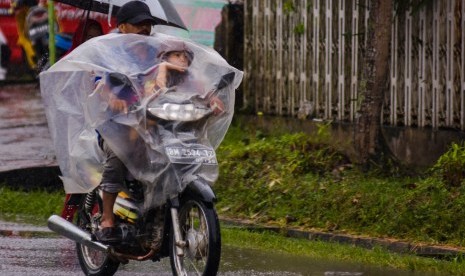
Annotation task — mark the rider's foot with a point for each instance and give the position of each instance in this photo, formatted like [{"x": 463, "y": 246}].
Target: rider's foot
[{"x": 109, "y": 235}]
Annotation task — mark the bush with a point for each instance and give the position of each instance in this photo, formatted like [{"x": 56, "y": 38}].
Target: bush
[
  {"x": 299, "y": 180},
  {"x": 450, "y": 167}
]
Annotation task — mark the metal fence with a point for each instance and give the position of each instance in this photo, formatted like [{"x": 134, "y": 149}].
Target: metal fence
[{"x": 304, "y": 58}]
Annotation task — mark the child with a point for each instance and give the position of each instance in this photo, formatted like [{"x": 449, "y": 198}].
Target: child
[{"x": 173, "y": 73}]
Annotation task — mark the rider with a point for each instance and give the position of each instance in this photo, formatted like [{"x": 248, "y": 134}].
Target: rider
[{"x": 133, "y": 17}]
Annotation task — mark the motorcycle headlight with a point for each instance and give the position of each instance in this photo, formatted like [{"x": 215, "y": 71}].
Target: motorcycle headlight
[{"x": 179, "y": 112}]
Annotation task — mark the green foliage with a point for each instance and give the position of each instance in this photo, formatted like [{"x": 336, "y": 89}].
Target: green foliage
[
  {"x": 451, "y": 165},
  {"x": 270, "y": 166},
  {"x": 299, "y": 29},
  {"x": 300, "y": 180},
  {"x": 288, "y": 7},
  {"x": 34, "y": 206}
]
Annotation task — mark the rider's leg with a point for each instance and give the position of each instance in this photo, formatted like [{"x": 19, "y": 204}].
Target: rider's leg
[
  {"x": 112, "y": 183},
  {"x": 108, "y": 218}
]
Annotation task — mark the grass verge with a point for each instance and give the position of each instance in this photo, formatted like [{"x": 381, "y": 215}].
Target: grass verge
[
  {"x": 32, "y": 207},
  {"x": 332, "y": 251},
  {"x": 303, "y": 181}
]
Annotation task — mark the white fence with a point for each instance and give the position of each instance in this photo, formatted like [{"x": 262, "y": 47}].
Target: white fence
[{"x": 304, "y": 58}]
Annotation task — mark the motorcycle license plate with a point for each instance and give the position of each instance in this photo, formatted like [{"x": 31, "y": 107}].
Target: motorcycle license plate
[{"x": 196, "y": 155}]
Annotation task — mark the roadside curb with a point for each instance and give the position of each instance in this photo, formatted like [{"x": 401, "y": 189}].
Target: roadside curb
[{"x": 392, "y": 245}]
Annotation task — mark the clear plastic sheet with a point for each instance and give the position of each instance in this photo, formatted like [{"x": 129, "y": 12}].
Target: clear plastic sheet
[{"x": 166, "y": 149}]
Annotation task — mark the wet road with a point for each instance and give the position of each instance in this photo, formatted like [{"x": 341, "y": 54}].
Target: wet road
[
  {"x": 56, "y": 256},
  {"x": 24, "y": 252},
  {"x": 24, "y": 137}
]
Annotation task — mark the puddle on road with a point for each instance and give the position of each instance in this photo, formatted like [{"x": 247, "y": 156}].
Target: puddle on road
[{"x": 243, "y": 262}]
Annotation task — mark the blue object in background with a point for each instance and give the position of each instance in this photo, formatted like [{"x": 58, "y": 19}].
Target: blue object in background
[{"x": 63, "y": 41}]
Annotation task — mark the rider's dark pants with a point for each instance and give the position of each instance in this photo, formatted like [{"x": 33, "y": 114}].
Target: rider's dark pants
[{"x": 114, "y": 172}]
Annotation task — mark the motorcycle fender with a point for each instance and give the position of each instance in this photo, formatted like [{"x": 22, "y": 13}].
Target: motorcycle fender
[{"x": 201, "y": 191}]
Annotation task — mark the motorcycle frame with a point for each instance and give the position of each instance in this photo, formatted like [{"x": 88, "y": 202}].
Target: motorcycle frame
[{"x": 196, "y": 190}]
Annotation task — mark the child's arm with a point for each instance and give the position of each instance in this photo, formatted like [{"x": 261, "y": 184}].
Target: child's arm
[{"x": 163, "y": 71}]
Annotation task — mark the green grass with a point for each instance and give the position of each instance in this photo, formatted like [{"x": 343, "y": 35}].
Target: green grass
[
  {"x": 332, "y": 251},
  {"x": 32, "y": 206}
]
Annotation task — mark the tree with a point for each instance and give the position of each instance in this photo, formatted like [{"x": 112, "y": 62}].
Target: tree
[
  {"x": 368, "y": 137},
  {"x": 369, "y": 141}
]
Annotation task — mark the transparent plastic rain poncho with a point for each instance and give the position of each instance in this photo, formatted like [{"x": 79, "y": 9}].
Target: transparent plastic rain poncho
[{"x": 165, "y": 153}]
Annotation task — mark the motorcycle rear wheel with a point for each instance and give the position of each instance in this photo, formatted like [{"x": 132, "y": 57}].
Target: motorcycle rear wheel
[
  {"x": 201, "y": 230},
  {"x": 93, "y": 262}
]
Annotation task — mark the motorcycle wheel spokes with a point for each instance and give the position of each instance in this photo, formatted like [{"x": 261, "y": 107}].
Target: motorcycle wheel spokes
[
  {"x": 196, "y": 236},
  {"x": 200, "y": 229},
  {"x": 93, "y": 258},
  {"x": 93, "y": 262}
]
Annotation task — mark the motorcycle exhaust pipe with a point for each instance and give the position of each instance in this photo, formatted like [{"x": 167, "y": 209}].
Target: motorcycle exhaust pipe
[{"x": 65, "y": 228}]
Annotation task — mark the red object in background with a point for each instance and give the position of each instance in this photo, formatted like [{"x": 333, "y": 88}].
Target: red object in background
[
  {"x": 68, "y": 19},
  {"x": 8, "y": 27}
]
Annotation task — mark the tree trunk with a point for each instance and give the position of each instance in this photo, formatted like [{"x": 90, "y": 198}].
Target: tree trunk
[{"x": 368, "y": 136}]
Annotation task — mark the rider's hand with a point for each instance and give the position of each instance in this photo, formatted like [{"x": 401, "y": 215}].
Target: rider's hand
[
  {"x": 117, "y": 105},
  {"x": 216, "y": 105}
]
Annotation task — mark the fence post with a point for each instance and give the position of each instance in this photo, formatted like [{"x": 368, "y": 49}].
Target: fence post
[
  {"x": 408, "y": 69},
  {"x": 394, "y": 77},
  {"x": 316, "y": 55},
  {"x": 436, "y": 64},
  {"x": 462, "y": 69},
  {"x": 354, "y": 60},
  {"x": 450, "y": 34},
  {"x": 422, "y": 71},
  {"x": 341, "y": 64},
  {"x": 328, "y": 58}
]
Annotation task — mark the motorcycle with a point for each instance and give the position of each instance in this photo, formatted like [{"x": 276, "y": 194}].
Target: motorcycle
[{"x": 167, "y": 208}]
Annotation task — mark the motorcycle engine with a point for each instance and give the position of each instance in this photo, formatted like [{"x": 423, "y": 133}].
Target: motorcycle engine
[{"x": 129, "y": 233}]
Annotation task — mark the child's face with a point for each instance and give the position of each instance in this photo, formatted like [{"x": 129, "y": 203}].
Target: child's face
[{"x": 178, "y": 58}]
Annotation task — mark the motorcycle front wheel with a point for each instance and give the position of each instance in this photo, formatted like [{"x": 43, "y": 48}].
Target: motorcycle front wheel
[
  {"x": 200, "y": 229},
  {"x": 92, "y": 262}
]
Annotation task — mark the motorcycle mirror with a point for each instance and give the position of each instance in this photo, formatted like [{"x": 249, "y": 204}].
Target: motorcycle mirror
[
  {"x": 118, "y": 79},
  {"x": 225, "y": 80}
]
